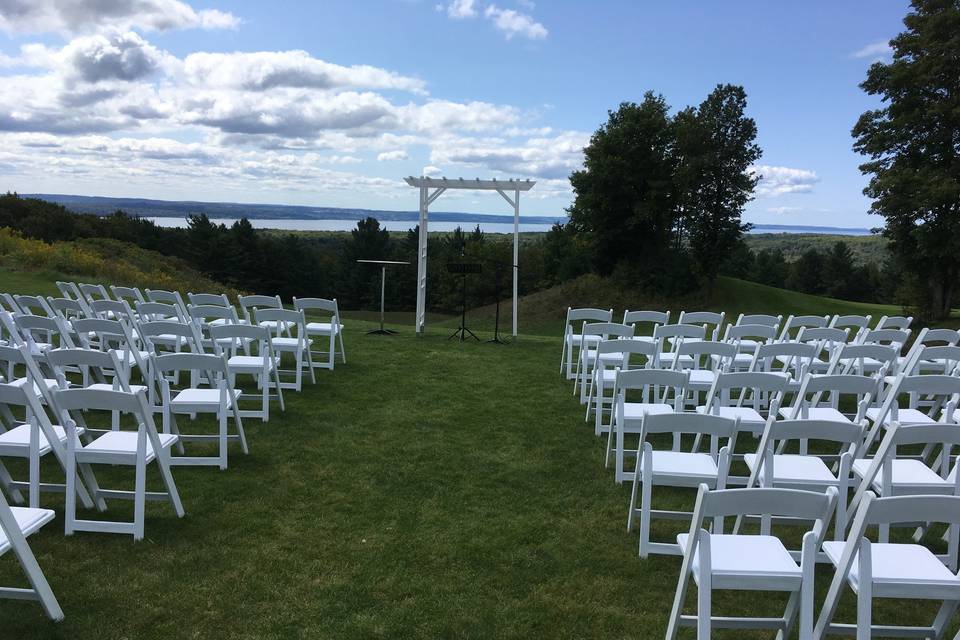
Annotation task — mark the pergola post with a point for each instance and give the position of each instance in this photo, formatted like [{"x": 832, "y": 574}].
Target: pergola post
[{"x": 440, "y": 185}]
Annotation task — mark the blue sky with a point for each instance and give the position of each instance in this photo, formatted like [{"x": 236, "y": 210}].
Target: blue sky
[{"x": 330, "y": 103}]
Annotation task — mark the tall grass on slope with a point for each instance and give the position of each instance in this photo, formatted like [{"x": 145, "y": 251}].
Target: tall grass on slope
[{"x": 102, "y": 260}]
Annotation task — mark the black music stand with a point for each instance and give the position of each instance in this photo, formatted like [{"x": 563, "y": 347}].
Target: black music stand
[
  {"x": 462, "y": 269},
  {"x": 383, "y": 292},
  {"x": 497, "y": 272}
]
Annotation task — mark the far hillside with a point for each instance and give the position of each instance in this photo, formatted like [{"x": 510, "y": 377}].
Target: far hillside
[{"x": 865, "y": 249}]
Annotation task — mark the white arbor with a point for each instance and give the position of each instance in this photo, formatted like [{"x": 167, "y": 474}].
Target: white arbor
[{"x": 427, "y": 197}]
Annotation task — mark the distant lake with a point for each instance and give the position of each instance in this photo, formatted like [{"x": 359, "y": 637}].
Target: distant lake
[{"x": 294, "y": 224}]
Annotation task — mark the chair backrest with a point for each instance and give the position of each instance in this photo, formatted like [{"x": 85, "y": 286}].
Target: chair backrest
[
  {"x": 832, "y": 389},
  {"x": 895, "y": 322},
  {"x": 784, "y": 357},
  {"x": 759, "y": 318},
  {"x": 105, "y": 308},
  {"x": 654, "y": 385},
  {"x": 628, "y": 348},
  {"x": 159, "y": 311},
  {"x": 198, "y": 362},
  {"x": 847, "y": 435},
  {"x": 755, "y": 388},
  {"x": 170, "y": 297},
  {"x": 705, "y": 318},
  {"x": 685, "y": 331},
  {"x": 588, "y": 315},
  {"x": 43, "y": 329},
  {"x": 34, "y": 305},
  {"x": 706, "y": 354},
  {"x": 205, "y": 313},
  {"x": 853, "y": 359},
  {"x": 71, "y": 400},
  {"x": 939, "y": 358},
  {"x": 640, "y": 317},
  {"x": 233, "y": 334},
  {"x": 211, "y": 299},
  {"x": 891, "y": 337},
  {"x": 850, "y": 322},
  {"x": 94, "y": 292},
  {"x": 795, "y": 323},
  {"x": 94, "y": 366},
  {"x": 263, "y": 302},
  {"x": 132, "y": 295},
  {"x": 66, "y": 308},
  {"x": 715, "y": 427},
  {"x": 157, "y": 334},
  {"x": 69, "y": 290},
  {"x": 759, "y": 332},
  {"x": 607, "y": 330}
]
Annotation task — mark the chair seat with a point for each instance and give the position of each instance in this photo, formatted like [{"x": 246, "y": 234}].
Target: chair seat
[
  {"x": 908, "y": 475},
  {"x": 49, "y": 383},
  {"x": 29, "y": 520},
  {"x": 818, "y": 413},
  {"x": 702, "y": 377},
  {"x": 904, "y": 416},
  {"x": 609, "y": 375},
  {"x": 796, "y": 469},
  {"x": 572, "y": 338},
  {"x": 125, "y": 442},
  {"x": 667, "y": 359},
  {"x": 250, "y": 362},
  {"x": 735, "y": 559},
  {"x": 19, "y": 437},
  {"x": 647, "y": 339},
  {"x": 324, "y": 328},
  {"x": 203, "y": 397},
  {"x": 747, "y": 415},
  {"x": 636, "y": 410},
  {"x": 896, "y": 564},
  {"x": 289, "y": 344},
  {"x": 696, "y": 466},
  {"x": 274, "y": 325},
  {"x": 610, "y": 358}
]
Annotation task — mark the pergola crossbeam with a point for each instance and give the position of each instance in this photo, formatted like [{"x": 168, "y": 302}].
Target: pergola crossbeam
[{"x": 439, "y": 187}]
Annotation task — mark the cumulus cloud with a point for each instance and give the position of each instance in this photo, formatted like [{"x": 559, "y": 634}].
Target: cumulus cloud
[
  {"x": 431, "y": 172},
  {"x": 265, "y": 70},
  {"x": 778, "y": 181},
  {"x": 879, "y": 49},
  {"x": 513, "y": 23},
  {"x": 396, "y": 154},
  {"x": 783, "y": 210},
  {"x": 553, "y": 157},
  {"x": 508, "y": 21},
  {"x": 73, "y": 16},
  {"x": 122, "y": 56},
  {"x": 460, "y": 9}
]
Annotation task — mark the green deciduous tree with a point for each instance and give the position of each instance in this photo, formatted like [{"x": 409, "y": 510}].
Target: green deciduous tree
[
  {"x": 715, "y": 149},
  {"x": 913, "y": 142}
]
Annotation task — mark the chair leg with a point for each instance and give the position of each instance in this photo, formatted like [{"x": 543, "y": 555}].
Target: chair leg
[
  {"x": 343, "y": 352},
  {"x": 646, "y": 496},
  {"x": 70, "y": 498},
  {"x": 222, "y": 423},
  {"x": 163, "y": 463},
  {"x": 140, "y": 489},
  {"x": 31, "y": 568},
  {"x": 865, "y": 592},
  {"x": 704, "y": 597},
  {"x": 7, "y": 483}
]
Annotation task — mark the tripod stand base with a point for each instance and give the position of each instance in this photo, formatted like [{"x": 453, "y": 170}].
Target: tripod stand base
[
  {"x": 496, "y": 340},
  {"x": 463, "y": 332},
  {"x": 382, "y": 332}
]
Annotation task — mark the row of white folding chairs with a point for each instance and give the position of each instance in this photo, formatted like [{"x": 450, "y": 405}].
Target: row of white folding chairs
[
  {"x": 856, "y": 326},
  {"x": 748, "y": 562},
  {"x": 94, "y": 300}
]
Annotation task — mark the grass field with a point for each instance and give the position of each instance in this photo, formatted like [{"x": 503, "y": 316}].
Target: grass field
[{"x": 426, "y": 489}]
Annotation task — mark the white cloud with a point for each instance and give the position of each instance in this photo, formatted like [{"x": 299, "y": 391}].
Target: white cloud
[
  {"x": 778, "y": 181},
  {"x": 783, "y": 210},
  {"x": 74, "y": 16},
  {"x": 554, "y": 157},
  {"x": 513, "y": 23},
  {"x": 267, "y": 70},
  {"x": 432, "y": 172},
  {"x": 397, "y": 154},
  {"x": 121, "y": 56},
  {"x": 879, "y": 49},
  {"x": 460, "y": 9}
]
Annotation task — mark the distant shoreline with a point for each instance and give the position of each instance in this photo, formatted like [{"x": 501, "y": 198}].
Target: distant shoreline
[{"x": 296, "y": 218}]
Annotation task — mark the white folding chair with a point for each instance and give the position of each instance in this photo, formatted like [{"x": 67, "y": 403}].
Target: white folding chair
[
  {"x": 902, "y": 571},
  {"x": 747, "y": 396},
  {"x": 16, "y": 525},
  {"x": 658, "y": 391},
  {"x": 822, "y": 397},
  {"x": 640, "y": 319},
  {"x": 330, "y": 327},
  {"x": 604, "y": 375},
  {"x": 706, "y": 319},
  {"x": 131, "y": 295},
  {"x": 742, "y": 562},
  {"x": 703, "y": 360},
  {"x": 168, "y": 297},
  {"x": 571, "y": 334},
  {"x": 668, "y": 336},
  {"x": 894, "y": 322},
  {"x": 588, "y": 356},
  {"x": 676, "y": 468},
  {"x": 299, "y": 343},
  {"x": 262, "y": 364},
  {"x": 802, "y": 470},
  {"x": 747, "y": 338},
  {"x": 939, "y": 393},
  {"x": 856, "y": 324},
  {"x": 210, "y": 392},
  {"x": 794, "y": 324},
  {"x": 209, "y": 299},
  {"x": 118, "y": 447},
  {"x": 249, "y": 303}
]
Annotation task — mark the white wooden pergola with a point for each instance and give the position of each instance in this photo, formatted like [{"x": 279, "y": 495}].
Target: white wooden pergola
[{"x": 433, "y": 188}]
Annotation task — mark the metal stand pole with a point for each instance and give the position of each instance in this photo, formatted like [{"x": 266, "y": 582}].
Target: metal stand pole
[{"x": 383, "y": 294}]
